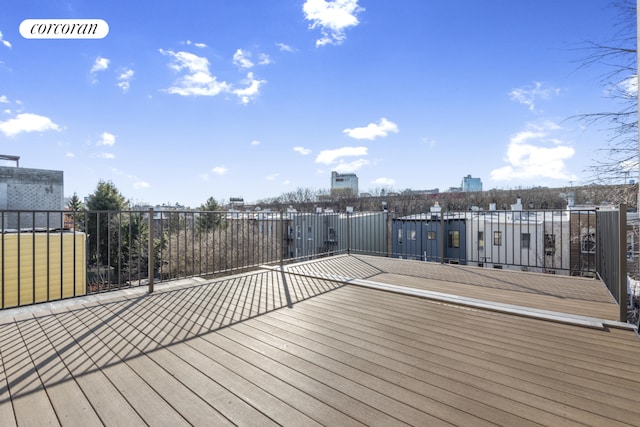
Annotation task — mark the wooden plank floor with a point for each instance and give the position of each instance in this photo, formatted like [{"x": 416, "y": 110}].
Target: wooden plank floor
[
  {"x": 273, "y": 348},
  {"x": 564, "y": 294}
]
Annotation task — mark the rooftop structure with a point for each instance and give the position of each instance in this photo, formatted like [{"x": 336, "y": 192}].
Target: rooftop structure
[
  {"x": 28, "y": 189},
  {"x": 11, "y": 159}
]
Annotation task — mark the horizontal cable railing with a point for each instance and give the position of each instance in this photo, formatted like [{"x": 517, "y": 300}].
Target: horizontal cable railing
[{"x": 50, "y": 255}]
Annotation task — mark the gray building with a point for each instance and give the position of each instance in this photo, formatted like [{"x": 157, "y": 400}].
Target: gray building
[
  {"x": 24, "y": 189},
  {"x": 344, "y": 182},
  {"x": 471, "y": 184}
]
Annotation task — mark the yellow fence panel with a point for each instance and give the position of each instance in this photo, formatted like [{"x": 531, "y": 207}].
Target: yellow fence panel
[{"x": 38, "y": 267}]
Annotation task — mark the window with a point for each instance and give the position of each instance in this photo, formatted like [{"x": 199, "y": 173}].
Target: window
[
  {"x": 588, "y": 243},
  {"x": 431, "y": 235},
  {"x": 331, "y": 234},
  {"x": 299, "y": 232},
  {"x": 549, "y": 244},
  {"x": 480, "y": 240},
  {"x": 411, "y": 235},
  {"x": 497, "y": 238},
  {"x": 399, "y": 236},
  {"x": 525, "y": 240},
  {"x": 454, "y": 239},
  {"x": 310, "y": 236}
]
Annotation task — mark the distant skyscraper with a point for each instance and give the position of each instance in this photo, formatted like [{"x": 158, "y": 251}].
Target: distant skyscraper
[
  {"x": 471, "y": 184},
  {"x": 343, "y": 182}
]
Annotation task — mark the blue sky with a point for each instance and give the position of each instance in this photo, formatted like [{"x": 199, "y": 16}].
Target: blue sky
[{"x": 225, "y": 98}]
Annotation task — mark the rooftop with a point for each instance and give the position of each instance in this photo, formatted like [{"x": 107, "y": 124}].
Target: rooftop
[{"x": 345, "y": 340}]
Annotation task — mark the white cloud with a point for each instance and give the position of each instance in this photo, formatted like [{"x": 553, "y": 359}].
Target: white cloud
[
  {"x": 328, "y": 157},
  {"x": 529, "y": 95},
  {"x": 100, "y": 64},
  {"x": 429, "y": 142},
  {"x": 124, "y": 78},
  {"x": 197, "y": 80},
  {"x": 137, "y": 182},
  {"x": 263, "y": 59},
  {"x": 108, "y": 156},
  {"x": 272, "y": 177},
  {"x": 629, "y": 87},
  {"x": 535, "y": 154},
  {"x": 70, "y": 154},
  {"x": 220, "y": 170},
  {"x": 286, "y": 182},
  {"x": 384, "y": 181},
  {"x": 284, "y": 47},
  {"x": 27, "y": 122},
  {"x": 332, "y": 18},
  {"x": 302, "y": 150},
  {"x": 4, "y": 42},
  {"x": 200, "y": 45},
  {"x": 344, "y": 167},
  {"x": 251, "y": 91},
  {"x": 241, "y": 59},
  {"x": 255, "y": 142},
  {"x": 4, "y": 99},
  {"x": 106, "y": 138},
  {"x": 372, "y": 130}
]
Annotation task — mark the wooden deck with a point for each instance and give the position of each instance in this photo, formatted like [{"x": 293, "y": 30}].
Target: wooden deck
[
  {"x": 573, "y": 295},
  {"x": 287, "y": 348}
]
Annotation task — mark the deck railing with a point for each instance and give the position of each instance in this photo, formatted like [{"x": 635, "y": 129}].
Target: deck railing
[{"x": 49, "y": 255}]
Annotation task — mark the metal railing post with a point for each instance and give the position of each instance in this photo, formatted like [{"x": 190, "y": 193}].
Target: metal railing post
[
  {"x": 442, "y": 237},
  {"x": 151, "y": 257},
  {"x": 348, "y": 233},
  {"x": 622, "y": 259},
  {"x": 283, "y": 238}
]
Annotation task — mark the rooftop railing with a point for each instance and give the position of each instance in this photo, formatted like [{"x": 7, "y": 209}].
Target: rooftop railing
[{"x": 50, "y": 255}]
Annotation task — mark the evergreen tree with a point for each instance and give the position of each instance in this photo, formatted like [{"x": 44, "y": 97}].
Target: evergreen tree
[
  {"x": 75, "y": 204},
  {"x": 74, "y": 218},
  {"x": 104, "y": 221},
  {"x": 209, "y": 217}
]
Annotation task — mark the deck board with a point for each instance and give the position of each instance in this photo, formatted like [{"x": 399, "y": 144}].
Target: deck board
[
  {"x": 454, "y": 349},
  {"x": 71, "y": 405},
  {"x": 110, "y": 405},
  {"x": 563, "y": 294},
  {"x": 191, "y": 407},
  {"x": 290, "y": 347},
  {"x": 7, "y": 416},
  {"x": 431, "y": 381},
  {"x": 104, "y": 349},
  {"x": 399, "y": 401}
]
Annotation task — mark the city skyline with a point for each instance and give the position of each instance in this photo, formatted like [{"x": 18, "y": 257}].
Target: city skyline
[{"x": 185, "y": 101}]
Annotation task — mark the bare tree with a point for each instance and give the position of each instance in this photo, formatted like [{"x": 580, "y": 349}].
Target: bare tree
[{"x": 619, "y": 159}]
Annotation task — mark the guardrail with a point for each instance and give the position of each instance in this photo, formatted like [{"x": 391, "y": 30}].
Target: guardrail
[{"x": 49, "y": 255}]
